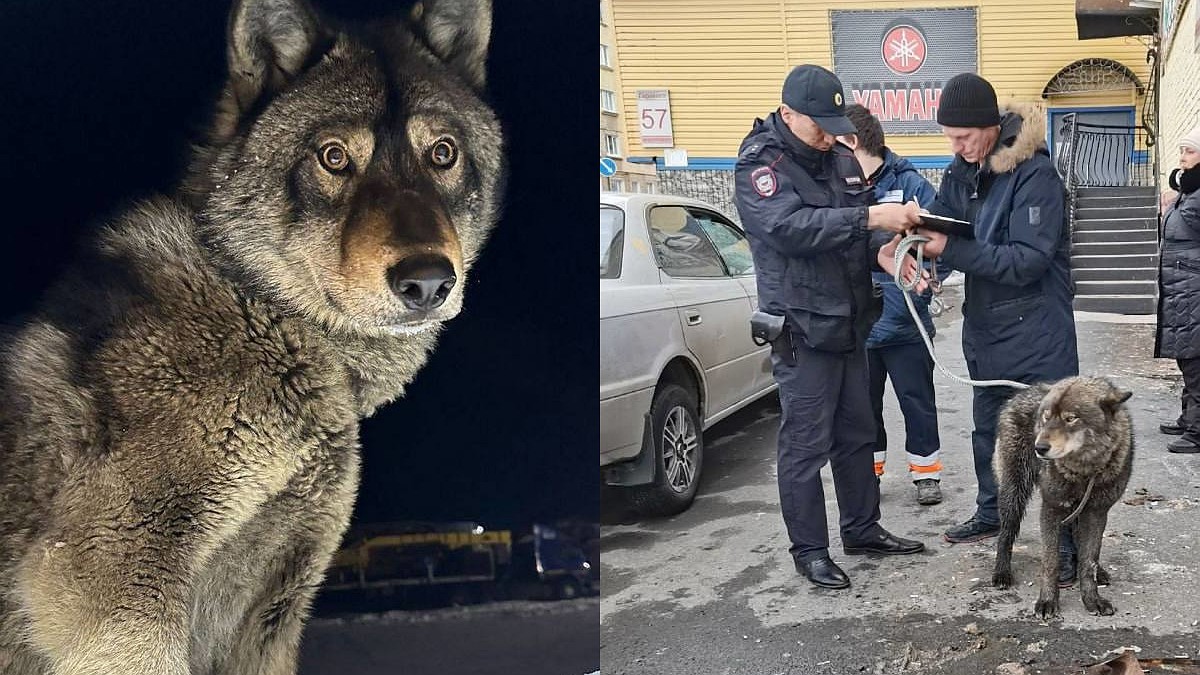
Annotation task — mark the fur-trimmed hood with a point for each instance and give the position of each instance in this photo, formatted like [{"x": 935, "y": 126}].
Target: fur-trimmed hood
[{"x": 1022, "y": 135}]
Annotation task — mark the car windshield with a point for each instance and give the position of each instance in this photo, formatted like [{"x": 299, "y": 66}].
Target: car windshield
[{"x": 612, "y": 239}]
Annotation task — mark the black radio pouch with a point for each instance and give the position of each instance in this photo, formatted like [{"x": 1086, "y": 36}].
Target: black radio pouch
[{"x": 766, "y": 328}]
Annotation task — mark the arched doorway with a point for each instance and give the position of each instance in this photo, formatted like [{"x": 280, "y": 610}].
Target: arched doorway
[{"x": 1100, "y": 97}]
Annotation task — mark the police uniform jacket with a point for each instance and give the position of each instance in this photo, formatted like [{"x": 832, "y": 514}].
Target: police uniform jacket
[
  {"x": 1018, "y": 314},
  {"x": 805, "y": 214}
]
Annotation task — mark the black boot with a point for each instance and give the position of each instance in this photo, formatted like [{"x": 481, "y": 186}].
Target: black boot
[
  {"x": 1175, "y": 428},
  {"x": 1188, "y": 443}
]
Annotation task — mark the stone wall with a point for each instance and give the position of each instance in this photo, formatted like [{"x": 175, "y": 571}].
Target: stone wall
[
  {"x": 712, "y": 186},
  {"x": 1179, "y": 90}
]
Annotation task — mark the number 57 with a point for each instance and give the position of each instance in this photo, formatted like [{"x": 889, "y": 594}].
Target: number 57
[{"x": 648, "y": 117}]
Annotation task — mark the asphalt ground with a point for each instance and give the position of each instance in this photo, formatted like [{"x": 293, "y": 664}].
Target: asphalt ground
[
  {"x": 714, "y": 591},
  {"x": 505, "y": 638}
]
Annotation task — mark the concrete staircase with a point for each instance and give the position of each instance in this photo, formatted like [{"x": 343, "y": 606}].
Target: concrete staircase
[{"x": 1114, "y": 255}]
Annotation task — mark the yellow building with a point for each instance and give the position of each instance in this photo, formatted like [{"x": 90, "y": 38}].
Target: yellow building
[
  {"x": 625, "y": 175},
  {"x": 722, "y": 64}
]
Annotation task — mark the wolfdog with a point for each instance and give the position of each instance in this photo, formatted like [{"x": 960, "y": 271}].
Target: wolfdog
[
  {"x": 1074, "y": 440},
  {"x": 179, "y": 424}
]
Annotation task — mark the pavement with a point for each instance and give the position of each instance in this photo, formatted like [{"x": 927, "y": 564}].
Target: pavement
[
  {"x": 714, "y": 591},
  {"x": 513, "y": 638}
]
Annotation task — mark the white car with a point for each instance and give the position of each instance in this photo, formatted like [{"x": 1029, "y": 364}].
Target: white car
[{"x": 676, "y": 293}]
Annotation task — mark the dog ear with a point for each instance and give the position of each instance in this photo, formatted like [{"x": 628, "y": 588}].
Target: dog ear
[
  {"x": 457, "y": 31},
  {"x": 1114, "y": 399},
  {"x": 269, "y": 43}
]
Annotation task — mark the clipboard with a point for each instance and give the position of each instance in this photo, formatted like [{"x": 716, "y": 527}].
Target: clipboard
[{"x": 958, "y": 228}]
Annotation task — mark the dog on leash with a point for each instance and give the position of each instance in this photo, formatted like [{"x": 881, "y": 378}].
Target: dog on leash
[
  {"x": 179, "y": 422},
  {"x": 1074, "y": 441}
]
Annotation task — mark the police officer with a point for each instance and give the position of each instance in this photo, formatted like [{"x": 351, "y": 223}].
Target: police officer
[{"x": 814, "y": 231}]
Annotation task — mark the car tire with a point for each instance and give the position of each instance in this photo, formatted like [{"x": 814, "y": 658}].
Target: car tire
[{"x": 678, "y": 447}]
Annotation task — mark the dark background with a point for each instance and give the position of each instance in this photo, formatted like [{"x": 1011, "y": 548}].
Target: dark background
[{"x": 100, "y": 103}]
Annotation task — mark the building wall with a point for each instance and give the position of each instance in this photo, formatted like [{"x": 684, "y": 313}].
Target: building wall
[
  {"x": 630, "y": 176},
  {"x": 1180, "y": 85},
  {"x": 724, "y": 62}
]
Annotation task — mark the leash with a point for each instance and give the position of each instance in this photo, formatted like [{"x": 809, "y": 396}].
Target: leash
[
  {"x": 902, "y": 248},
  {"x": 1082, "y": 502},
  {"x": 917, "y": 241}
]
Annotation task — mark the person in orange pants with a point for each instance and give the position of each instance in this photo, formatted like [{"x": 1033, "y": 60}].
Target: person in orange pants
[{"x": 895, "y": 349}]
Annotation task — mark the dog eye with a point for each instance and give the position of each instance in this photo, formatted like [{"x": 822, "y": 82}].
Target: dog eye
[
  {"x": 334, "y": 157},
  {"x": 1070, "y": 418},
  {"x": 444, "y": 152}
]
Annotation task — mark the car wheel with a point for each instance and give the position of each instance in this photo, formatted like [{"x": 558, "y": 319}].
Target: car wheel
[{"x": 678, "y": 452}]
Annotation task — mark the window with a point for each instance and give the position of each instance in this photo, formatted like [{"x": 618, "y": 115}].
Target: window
[
  {"x": 617, "y": 184},
  {"x": 612, "y": 145},
  {"x": 680, "y": 244},
  {"x": 604, "y": 60},
  {"x": 608, "y": 101},
  {"x": 731, "y": 244},
  {"x": 612, "y": 241}
]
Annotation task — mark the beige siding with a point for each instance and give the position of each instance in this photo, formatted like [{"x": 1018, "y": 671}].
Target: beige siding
[
  {"x": 632, "y": 177},
  {"x": 724, "y": 62},
  {"x": 1180, "y": 107}
]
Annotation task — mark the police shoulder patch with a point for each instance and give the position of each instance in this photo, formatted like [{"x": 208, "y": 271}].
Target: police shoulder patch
[{"x": 764, "y": 181}]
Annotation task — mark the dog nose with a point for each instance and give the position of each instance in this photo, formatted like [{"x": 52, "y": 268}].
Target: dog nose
[
  {"x": 422, "y": 282},
  {"x": 1041, "y": 449}
]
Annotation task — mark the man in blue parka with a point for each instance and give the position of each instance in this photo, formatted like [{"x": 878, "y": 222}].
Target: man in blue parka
[
  {"x": 816, "y": 233},
  {"x": 1018, "y": 321},
  {"x": 895, "y": 349}
]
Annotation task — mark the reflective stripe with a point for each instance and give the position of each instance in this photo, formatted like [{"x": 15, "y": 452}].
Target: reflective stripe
[{"x": 932, "y": 468}]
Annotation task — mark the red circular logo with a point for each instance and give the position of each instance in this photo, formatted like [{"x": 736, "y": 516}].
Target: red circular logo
[{"x": 903, "y": 49}]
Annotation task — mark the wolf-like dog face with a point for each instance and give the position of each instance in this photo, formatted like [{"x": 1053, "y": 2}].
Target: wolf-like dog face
[
  {"x": 179, "y": 433},
  {"x": 1069, "y": 415},
  {"x": 350, "y": 176}
]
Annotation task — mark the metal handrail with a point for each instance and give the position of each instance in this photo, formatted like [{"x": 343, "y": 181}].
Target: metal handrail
[
  {"x": 1068, "y": 172},
  {"x": 1105, "y": 155}
]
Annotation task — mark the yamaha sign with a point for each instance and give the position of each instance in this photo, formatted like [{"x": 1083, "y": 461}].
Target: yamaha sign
[{"x": 895, "y": 62}]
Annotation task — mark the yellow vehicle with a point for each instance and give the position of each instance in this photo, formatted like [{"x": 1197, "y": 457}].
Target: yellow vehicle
[{"x": 389, "y": 555}]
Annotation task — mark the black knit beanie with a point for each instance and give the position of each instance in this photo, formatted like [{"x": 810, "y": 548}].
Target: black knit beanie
[{"x": 968, "y": 100}]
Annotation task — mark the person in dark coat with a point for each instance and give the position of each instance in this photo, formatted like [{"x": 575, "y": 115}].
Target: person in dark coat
[
  {"x": 815, "y": 233},
  {"x": 1178, "y": 335},
  {"x": 895, "y": 348},
  {"x": 1018, "y": 322}
]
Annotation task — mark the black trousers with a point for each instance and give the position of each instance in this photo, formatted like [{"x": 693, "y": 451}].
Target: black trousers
[
  {"x": 986, "y": 403},
  {"x": 826, "y": 419},
  {"x": 911, "y": 370},
  {"x": 1189, "y": 418}
]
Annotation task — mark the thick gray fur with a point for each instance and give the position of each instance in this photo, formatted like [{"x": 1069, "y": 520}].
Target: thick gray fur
[
  {"x": 179, "y": 426},
  {"x": 1083, "y": 431}
]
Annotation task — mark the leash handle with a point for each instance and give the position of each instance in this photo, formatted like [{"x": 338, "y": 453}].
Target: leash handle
[{"x": 918, "y": 241}]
